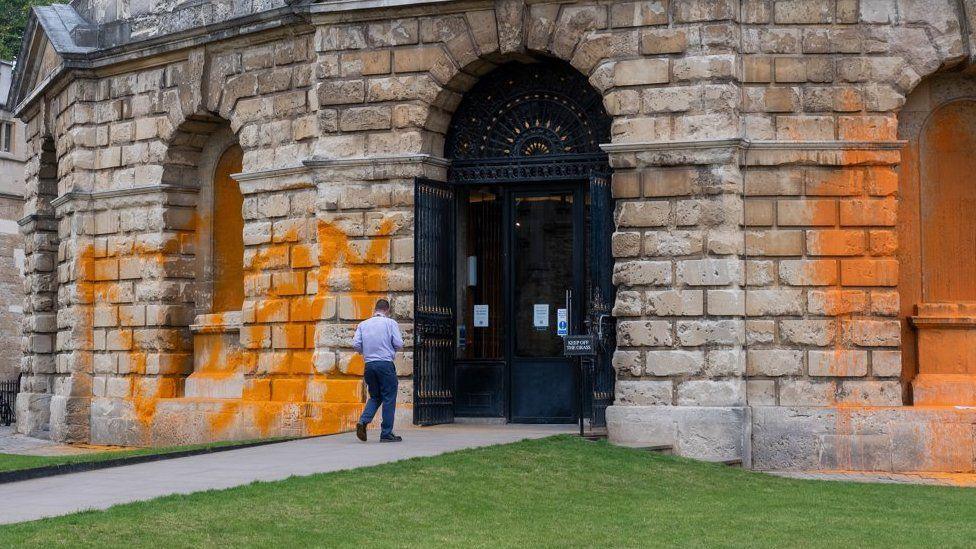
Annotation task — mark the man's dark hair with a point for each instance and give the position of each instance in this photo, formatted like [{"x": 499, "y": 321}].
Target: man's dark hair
[{"x": 382, "y": 306}]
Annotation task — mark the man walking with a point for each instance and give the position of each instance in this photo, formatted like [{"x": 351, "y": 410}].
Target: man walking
[{"x": 378, "y": 339}]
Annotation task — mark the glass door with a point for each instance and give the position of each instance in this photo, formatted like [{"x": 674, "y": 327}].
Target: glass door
[{"x": 545, "y": 267}]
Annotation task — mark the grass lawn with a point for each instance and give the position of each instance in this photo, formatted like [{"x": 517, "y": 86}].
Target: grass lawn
[
  {"x": 16, "y": 462},
  {"x": 554, "y": 492}
]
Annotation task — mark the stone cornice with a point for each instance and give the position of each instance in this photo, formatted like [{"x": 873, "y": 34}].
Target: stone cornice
[
  {"x": 269, "y": 174},
  {"x": 358, "y": 10},
  {"x": 417, "y": 158},
  {"x": 29, "y": 218},
  {"x": 116, "y": 193},
  {"x": 747, "y": 144},
  {"x": 276, "y": 179},
  {"x": 746, "y": 152}
]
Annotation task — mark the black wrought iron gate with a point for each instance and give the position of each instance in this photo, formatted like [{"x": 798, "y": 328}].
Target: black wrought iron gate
[
  {"x": 600, "y": 373},
  {"x": 8, "y": 398},
  {"x": 434, "y": 302}
]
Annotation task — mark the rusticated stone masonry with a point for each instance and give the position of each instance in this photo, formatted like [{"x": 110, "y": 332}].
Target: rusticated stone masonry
[{"x": 756, "y": 151}]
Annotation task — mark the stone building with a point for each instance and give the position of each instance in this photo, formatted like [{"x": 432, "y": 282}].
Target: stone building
[
  {"x": 12, "y": 149},
  {"x": 759, "y": 208}
]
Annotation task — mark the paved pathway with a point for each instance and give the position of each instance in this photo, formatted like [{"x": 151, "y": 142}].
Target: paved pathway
[{"x": 60, "y": 495}]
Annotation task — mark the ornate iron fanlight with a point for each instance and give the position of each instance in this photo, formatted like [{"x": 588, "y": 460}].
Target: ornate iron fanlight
[{"x": 524, "y": 119}]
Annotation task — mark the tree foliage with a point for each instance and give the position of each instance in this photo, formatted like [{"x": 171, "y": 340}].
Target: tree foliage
[{"x": 13, "y": 19}]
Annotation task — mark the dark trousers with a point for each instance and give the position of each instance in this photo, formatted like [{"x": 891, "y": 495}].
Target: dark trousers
[{"x": 381, "y": 380}]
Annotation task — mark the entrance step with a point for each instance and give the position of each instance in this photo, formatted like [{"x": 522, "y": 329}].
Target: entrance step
[{"x": 659, "y": 448}]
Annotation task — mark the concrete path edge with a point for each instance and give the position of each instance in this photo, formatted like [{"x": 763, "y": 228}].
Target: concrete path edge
[{"x": 19, "y": 475}]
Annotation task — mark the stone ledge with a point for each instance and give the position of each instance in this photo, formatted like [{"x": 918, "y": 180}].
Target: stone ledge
[
  {"x": 887, "y": 439},
  {"x": 708, "y": 433}
]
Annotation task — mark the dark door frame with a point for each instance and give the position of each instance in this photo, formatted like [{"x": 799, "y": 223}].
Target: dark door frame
[
  {"x": 506, "y": 193},
  {"x": 509, "y": 193}
]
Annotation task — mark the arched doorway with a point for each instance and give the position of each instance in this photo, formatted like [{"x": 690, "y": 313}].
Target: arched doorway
[
  {"x": 512, "y": 254},
  {"x": 937, "y": 234},
  {"x": 228, "y": 233}
]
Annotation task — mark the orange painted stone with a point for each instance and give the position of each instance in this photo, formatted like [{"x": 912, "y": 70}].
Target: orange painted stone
[{"x": 946, "y": 354}]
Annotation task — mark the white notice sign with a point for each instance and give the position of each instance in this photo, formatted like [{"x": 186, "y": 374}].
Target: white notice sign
[
  {"x": 540, "y": 315},
  {"x": 480, "y": 316},
  {"x": 562, "y": 323}
]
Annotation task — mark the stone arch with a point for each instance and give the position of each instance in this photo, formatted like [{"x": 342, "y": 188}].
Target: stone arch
[
  {"x": 938, "y": 123},
  {"x": 202, "y": 156},
  {"x": 476, "y": 43},
  {"x": 41, "y": 307}
]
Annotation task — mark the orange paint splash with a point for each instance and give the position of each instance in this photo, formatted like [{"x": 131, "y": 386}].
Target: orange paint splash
[{"x": 331, "y": 400}]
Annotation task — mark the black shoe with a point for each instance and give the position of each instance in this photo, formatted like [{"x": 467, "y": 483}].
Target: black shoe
[
  {"x": 361, "y": 431},
  {"x": 391, "y": 438}
]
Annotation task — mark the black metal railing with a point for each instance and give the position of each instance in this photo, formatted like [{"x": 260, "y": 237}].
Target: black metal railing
[{"x": 8, "y": 397}]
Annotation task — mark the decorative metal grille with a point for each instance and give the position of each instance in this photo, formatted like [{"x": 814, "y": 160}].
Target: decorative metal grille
[
  {"x": 434, "y": 299},
  {"x": 602, "y": 291},
  {"x": 525, "y": 123}
]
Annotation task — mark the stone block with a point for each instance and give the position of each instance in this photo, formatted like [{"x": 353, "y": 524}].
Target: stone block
[
  {"x": 365, "y": 63},
  {"x": 757, "y": 69},
  {"x": 761, "y": 392},
  {"x": 674, "y": 303},
  {"x": 805, "y": 128},
  {"x": 774, "y": 302},
  {"x": 674, "y": 363},
  {"x": 868, "y": 212},
  {"x": 709, "y": 272},
  {"x": 838, "y": 363},
  {"x": 711, "y": 393},
  {"x": 704, "y": 67},
  {"x": 709, "y": 433},
  {"x": 805, "y": 392},
  {"x": 643, "y": 214},
  {"x": 672, "y": 243},
  {"x": 662, "y": 41},
  {"x": 886, "y": 363},
  {"x": 870, "y": 393},
  {"x": 774, "y": 362},
  {"x": 836, "y": 302},
  {"x": 631, "y": 362},
  {"x": 820, "y": 333},
  {"x": 643, "y": 393},
  {"x": 641, "y": 72},
  {"x": 778, "y": 182},
  {"x": 774, "y": 242},
  {"x": 758, "y": 213},
  {"x": 625, "y": 244},
  {"x": 639, "y": 14},
  {"x": 874, "y": 333},
  {"x": 705, "y": 332},
  {"x": 640, "y": 273},
  {"x": 798, "y": 272},
  {"x": 725, "y": 363},
  {"x": 806, "y": 213},
  {"x": 628, "y": 304},
  {"x": 644, "y": 333},
  {"x": 835, "y": 242},
  {"x": 365, "y": 118},
  {"x": 726, "y": 302},
  {"x": 869, "y": 272},
  {"x": 626, "y": 184}
]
